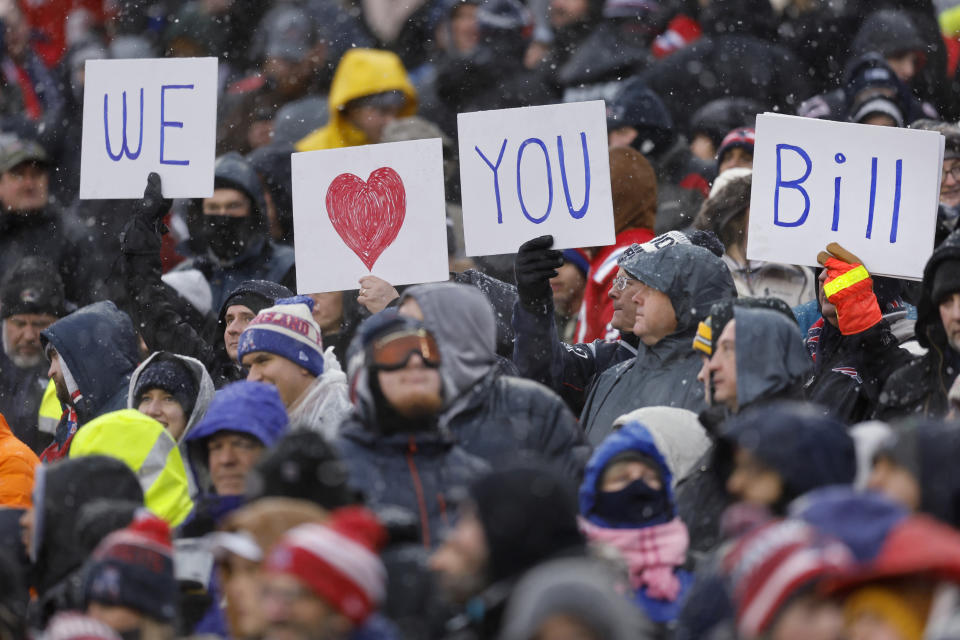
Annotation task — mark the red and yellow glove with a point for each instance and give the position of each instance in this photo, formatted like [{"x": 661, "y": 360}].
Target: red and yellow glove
[{"x": 849, "y": 288}]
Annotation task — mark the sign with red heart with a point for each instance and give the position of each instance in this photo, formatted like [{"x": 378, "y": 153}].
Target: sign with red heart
[
  {"x": 374, "y": 209},
  {"x": 367, "y": 215}
]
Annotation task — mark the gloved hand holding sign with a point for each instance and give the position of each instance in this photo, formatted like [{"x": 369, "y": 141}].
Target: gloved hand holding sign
[{"x": 849, "y": 288}]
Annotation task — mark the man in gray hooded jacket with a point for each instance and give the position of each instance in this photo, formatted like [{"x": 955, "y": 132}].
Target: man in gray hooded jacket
[
  {"x": 496, "y": 417},
  {"x": 758, "y": 356},
  {"x": 680, "y": 283}
]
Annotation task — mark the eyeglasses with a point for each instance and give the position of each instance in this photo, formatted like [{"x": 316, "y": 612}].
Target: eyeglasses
[
  {"x": 953, "y": 172},
  {"x": 393, "y": 351},
  {"x": 622, "y": 282}
]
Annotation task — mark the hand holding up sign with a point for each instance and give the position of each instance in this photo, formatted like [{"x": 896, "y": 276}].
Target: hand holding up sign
[
  {"x": 535, "y": 264},
  {"x": 850, "y": 288},
  {"x": 376, "y": 293},
  {"x": 153, "y": 206}
]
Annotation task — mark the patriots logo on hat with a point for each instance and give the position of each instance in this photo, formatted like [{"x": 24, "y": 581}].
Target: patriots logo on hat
[
  {"x": 107, "y": 583},
  {"x": 29, "y": 295},
  {"x": 304, "y": 357}
]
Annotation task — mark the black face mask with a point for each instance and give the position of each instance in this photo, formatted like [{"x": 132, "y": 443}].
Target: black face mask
[
  {"x": 636, "y": 505},
  {"x": 227, "y": 236}
]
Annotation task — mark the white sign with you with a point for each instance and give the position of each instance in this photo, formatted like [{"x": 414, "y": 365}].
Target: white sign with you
[
  {"x": 148, "y": 115},
  {"x": 375, "y": 209},
  {"x": 532, "y": 171}
]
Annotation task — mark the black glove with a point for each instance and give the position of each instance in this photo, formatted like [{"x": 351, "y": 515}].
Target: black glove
[
  {"x": 153, "y": 207},
  {"x": 534, "y": 265}
]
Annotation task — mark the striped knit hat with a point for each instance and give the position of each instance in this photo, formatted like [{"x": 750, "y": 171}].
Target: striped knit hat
[
  {"x": 133, "y": 567},
  {"x": 288, "y": 330},
  {"x": 770, "y": 564},
  {"x": 338, "y": 561}
]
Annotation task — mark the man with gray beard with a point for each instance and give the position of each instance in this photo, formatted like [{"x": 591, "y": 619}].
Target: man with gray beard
[{"x": 31, "y": 299}]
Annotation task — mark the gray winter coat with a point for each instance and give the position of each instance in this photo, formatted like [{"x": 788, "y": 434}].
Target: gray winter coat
[
  {"x": 772, "y": 361},
  {"x": 664, "y": 374},
  {"x": 495, "y": 417}
]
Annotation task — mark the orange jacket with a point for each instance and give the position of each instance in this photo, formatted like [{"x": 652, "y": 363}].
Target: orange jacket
[{"x": 17, "y": 464}]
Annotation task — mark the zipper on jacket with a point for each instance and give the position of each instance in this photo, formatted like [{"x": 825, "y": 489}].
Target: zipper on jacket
[{"x": 418, "y": 489}]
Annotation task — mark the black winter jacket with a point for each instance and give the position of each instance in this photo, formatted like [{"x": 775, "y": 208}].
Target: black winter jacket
[
  {"x": 503, "y": 420},
  {"x": 419, "y": 473},
  {"x": 567, "y": 369},
  {"x": 920, "y": 386}
]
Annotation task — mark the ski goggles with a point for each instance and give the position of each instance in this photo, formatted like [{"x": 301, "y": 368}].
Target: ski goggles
[{"x": 394, "y": 350}]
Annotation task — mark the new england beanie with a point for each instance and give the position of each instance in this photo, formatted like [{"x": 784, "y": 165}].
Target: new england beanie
[{"x": 288, "y": 330}]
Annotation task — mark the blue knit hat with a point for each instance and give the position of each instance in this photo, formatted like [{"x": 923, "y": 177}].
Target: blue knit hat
[
  {"x": 286, "y": 329},
  {"x": 253, "y": 408}
]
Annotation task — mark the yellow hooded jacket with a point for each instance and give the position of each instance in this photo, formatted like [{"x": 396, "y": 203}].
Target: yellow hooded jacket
[
  {"x": 361, "y": 72},
  {"x": 144, "y": 445}
]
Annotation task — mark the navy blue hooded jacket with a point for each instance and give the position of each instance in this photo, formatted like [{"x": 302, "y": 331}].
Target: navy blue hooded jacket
[
  {"x": 633, "y": 437},
  {"x": 807, "y": 449},
  {"x": 99, "y": 346}
]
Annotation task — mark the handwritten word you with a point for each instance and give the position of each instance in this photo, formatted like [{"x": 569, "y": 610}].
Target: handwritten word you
[{"x": 530, "y": 145}]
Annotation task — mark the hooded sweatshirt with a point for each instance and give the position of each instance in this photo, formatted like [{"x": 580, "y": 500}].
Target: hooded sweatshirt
[
  {"x": 581, "y": 588},
  {"x": 666, "y": 372},
  {"x": 201, "y": 379},
  {"x": 360, "y": 73},
  {"x": 496, "y": 417},
  {"x": 98, "y": 347},
  {"x": 805, "y": 448}
]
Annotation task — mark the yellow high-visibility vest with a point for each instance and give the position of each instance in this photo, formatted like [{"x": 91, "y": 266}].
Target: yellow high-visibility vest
[{"x": 147, "y": 448}]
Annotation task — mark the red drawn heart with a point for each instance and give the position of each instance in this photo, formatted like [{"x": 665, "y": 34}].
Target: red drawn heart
[{"x": 367, "y": 215}]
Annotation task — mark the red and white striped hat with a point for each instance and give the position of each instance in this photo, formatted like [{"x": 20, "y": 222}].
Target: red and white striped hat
[
  {"x": 774, "y": 561},
  {"x": 338, "y": 561}
]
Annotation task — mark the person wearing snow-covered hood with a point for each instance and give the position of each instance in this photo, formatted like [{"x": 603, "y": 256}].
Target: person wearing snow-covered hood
[
  {"x": 735, "y": 377},
  {"x": 92, "y": 352},
  {"x": 282, "y": 346},
  {"x": 496, "y": 417},
  {"x": 229, "y": 232},
  {"x": 679, "y": 284}
]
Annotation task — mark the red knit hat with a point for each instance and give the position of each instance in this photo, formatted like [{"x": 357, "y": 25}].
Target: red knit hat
[
  {"x": 769, "y": 564},
  {"x": 338, "y": 561},
  {"x": 742, "y": 137}
]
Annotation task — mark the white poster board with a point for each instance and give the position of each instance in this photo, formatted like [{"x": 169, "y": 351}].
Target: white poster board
[
  {"x": 532, "y": 171},
  {"x": 872, "y": 189},
  {"x": 376, "y": 209},
  {"x": 149, "y": 115}
]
